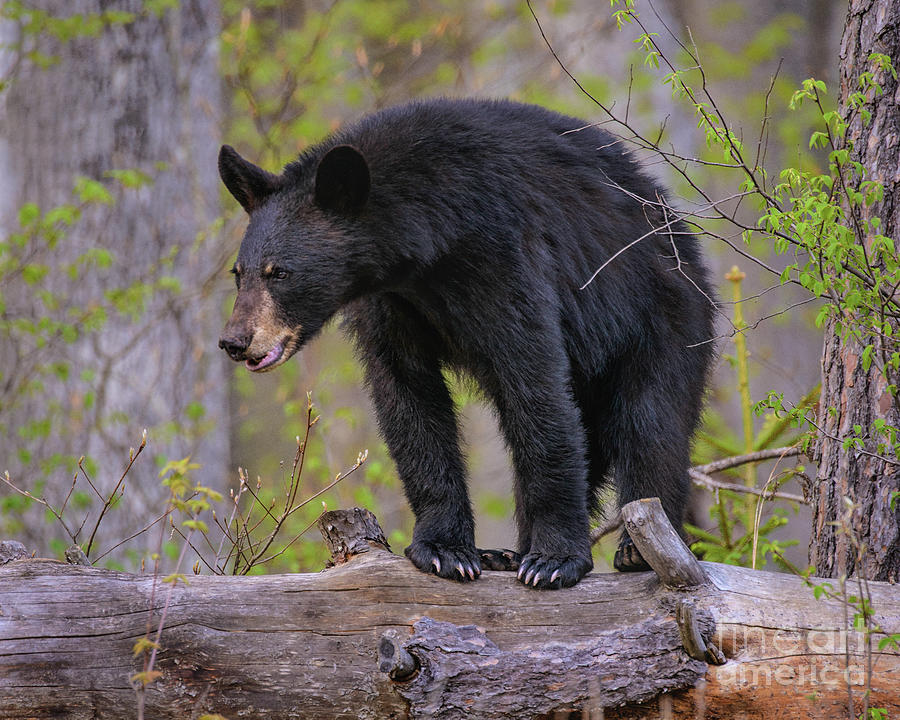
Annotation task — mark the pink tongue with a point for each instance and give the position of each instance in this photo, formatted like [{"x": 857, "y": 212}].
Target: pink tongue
[{"x": 270, "y": 357}]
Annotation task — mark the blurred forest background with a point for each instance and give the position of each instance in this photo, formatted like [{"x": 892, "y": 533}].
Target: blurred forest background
[{"x": 116, "y": 237}]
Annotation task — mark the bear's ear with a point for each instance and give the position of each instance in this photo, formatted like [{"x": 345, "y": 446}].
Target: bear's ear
[
  {"x": 249, "y": 184},
  {"x": 342, "y": 180}
]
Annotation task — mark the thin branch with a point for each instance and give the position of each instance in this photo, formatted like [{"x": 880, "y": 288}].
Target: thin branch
[
  {"x": 821, "y": 430},
  {"x": 130, "y": 537},
  {"x": 610, "y": 526},
  {"x": 291, "y": 541},
  {"x": 705, "y": 481},
  {"x": 758, "y": 456},
  {"x": 680, "y": 269},
  {"x": 257, "y": 554},
  {"x": 5, "y": 478},
  {"x": 757, "y": 322},
  {"x": 700, "y": 477},
  {"x": 109, "y": 499},
  {"x": 653, "y": 231},
  {"x": 225, "y": 529},
  {"x": 762, "y": 144}
]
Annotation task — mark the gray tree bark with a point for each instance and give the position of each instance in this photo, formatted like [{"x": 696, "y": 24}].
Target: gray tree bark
[
  {"x": 851, "y": 395},
  {"x": 142, "y": 94}
]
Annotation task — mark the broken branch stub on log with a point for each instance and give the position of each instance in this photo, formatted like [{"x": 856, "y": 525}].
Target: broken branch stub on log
[
  {"x": 350, "y": 532},
  {"x": 11, "y": 550},
  {"x": 374, "y": 638},
  {"x": 659, "y": 544}
]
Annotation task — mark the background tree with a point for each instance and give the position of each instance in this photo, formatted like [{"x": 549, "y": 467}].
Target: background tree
[
  {"x": 856, "y": 525},
  {"x": 109, "y": 205}
]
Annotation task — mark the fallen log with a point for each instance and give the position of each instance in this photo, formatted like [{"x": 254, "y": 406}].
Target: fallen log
[{"x": 372, "y": 637}]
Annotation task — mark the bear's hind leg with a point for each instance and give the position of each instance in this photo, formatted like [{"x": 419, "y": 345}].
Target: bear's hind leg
[{"x": 653, "y": 456}]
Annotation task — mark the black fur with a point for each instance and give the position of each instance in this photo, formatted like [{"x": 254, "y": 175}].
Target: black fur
[{"x": 458, "y": 233}]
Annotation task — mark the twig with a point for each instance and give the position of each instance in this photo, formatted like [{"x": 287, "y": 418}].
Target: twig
[
  {"x": 62, "y": 509},
  {"x": 679, "y": 267},
  {"x": 148, "y": 666},
  {"x": 758, "y": 456},
  {"x": 257, "y": 554},
  {"x": 109, "y": 499},
  {"x": 291, "y": 541},
  {"x": 757, "y": 515},
  {"x": 130, "y": 537},
  {"x": 225, "y": 532},
  {"x": 5, "y": 478},
  {"x": 611, "y": 525},
  {"x": 705, "y": 481},
  {"x": 700, "y": 477},
  {"x": 661, "y": 229}
]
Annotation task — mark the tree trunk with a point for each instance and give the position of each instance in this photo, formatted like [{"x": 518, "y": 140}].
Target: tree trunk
[
  {"x": 142, "y": 94},
  {"x": 375, "y": 638},
  {"x": 853, "y": 396}
]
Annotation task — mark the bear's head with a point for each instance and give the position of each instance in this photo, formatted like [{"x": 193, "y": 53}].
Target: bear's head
[{"x": 296, "y": 264}]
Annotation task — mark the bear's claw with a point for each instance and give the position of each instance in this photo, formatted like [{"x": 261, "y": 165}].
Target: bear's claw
[
  {"x": 454, "y": 563},
  {"x": 551, "y": 572}
]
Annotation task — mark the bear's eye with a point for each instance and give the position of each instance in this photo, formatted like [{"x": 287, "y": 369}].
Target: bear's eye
[
  {"x": 278, "y": 274},
  {"x": 237, "y": 277}
]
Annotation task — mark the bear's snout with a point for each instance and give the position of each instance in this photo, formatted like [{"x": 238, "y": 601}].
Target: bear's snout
[{"x": 235, "y": 346}]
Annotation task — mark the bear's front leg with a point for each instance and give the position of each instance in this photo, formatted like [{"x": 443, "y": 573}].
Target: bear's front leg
[
  {"x": 417, "y": 419},
  {"x": 544, "y": 432},
  {"x": 419, "y": 427},
  {"x": 418, "y": 422}
]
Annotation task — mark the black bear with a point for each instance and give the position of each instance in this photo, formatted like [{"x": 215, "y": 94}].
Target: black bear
[{"x": 461, "y": 234}]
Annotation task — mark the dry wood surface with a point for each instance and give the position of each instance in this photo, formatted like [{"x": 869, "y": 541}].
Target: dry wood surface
[{"x": 333, "y": 645}]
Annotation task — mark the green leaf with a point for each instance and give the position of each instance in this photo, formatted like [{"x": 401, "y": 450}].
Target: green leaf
[
  {"x": 91, "y": 191},
  {"x": 197, "y": 525},
  {"x": 131, "y": 178},
  {"x": 159, "y": 7},
  {"x": 818, "y": 139},
  {"x": 143, "y": 645},
  {"x": 170, "y": 283},
  {"x": 867, "y": 361},
  {"x": 118, "y": 17},
  {"x": 28, "y": 213},
  {"x": 34, "y": 273},
  {"x": 195, "y": 411},
  {"x": 61, "y": 215}
]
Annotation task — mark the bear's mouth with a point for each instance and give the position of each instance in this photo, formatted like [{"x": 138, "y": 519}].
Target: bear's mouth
[{"x": 267, "y": 361}]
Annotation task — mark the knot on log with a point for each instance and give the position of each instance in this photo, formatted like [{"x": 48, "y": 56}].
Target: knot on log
[
  {"x": 350, "y": 532},
  {"x": 394, "y": 659},
  {"x": 11, "y": 550}
]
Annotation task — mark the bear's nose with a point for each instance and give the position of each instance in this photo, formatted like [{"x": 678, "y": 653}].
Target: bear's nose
[{"x": 235, "y": 346}]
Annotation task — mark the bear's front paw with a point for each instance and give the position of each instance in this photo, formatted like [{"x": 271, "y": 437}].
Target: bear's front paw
[
  {"x": 627, "y": 558},
  {"x": 451, "y": 562},
  {"x": 551, "y": 571}
]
